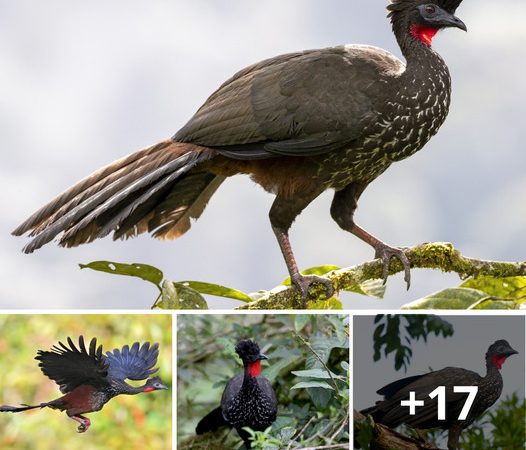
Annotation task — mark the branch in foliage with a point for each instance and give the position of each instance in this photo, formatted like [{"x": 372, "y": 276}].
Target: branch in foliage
[
  {"x": 385, "y": 438},
  {"x": 442, "y": 256}
]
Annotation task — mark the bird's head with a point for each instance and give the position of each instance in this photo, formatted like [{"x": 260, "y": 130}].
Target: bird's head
[
  {"x": 251, "y": 356},
  {"x": 422, "y": 19},
  {"x": 498, "y": 352},
  {"x": 154, "y": 384}
]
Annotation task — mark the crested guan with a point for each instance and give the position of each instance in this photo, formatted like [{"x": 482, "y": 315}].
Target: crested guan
[
  {"x": 298, "y": 124},
  {"x": 90, "y": 379},
  {"x": 391, "y": 413},
  {"x": 248, "y": 399}
]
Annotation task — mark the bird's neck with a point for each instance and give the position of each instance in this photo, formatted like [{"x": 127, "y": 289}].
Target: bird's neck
[
  {"x": 121, "y": 387},
  {"x": 494, "y": 363},
  {"x": 493, "y": 369},
  {"x": 415, "y": 42},
  {"x": 252, "y": 371}
]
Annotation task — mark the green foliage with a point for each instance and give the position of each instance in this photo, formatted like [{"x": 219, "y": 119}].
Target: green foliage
[
  {"x": 499, "y": 428},
  {"x": 179, "y": 295},
  {"x": 308, "y": 367},
  {"x": 477, "y": 293},
  {"x": 262, "y": 440},
  {"x": 132, "y": 422},
  {"x": 394, "y": 334}
]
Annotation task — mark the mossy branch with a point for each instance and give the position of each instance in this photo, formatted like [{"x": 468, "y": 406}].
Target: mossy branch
[
  {"x": 385, "y": 438},
  {"x": 437, "y": 255}
]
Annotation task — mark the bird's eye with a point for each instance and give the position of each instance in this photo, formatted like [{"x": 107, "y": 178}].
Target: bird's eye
[{"x": 430, "y": 9}]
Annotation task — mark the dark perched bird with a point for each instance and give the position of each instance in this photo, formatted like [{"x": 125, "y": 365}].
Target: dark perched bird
[
  {"x": 248, "y": 399},
  {"x": 298, "y": 124},
  {"x": 90, "y": 379},
  {"x": 391, "y": 413}
]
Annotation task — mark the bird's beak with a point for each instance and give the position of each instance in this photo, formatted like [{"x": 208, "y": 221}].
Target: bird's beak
[
  {"x": 511, "y": 352},
  {"x": 262, "y": 356},
  {"x": 162, "y": 386},
  {"x": 449, "y": 20}
]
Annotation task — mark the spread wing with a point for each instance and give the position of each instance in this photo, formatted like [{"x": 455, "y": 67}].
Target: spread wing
[
  {"x": 299, "y": 104},
  {"x": 71, "y": 367},
  {"x": 134, "y": 363}
]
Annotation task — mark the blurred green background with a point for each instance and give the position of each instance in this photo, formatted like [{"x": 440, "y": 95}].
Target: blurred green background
[
  {"x": 312, "y": 415},
  {"x": 143, "y": 421}
]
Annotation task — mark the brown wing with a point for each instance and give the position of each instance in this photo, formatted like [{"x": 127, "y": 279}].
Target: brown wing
[{"x": 297, "y": 104}]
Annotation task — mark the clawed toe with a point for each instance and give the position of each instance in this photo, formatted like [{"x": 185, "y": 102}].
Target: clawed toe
[
  {"x": 304, "y": 281},
  {"x": 385, "y": 253}
]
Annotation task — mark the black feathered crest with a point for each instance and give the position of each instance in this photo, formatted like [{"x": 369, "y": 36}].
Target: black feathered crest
[
  {"x": 402, "y": 5},
  {"x": 71, "y": 367},
  {"x": 247, "y": 349},
  {"x": 134, "y": 363}
]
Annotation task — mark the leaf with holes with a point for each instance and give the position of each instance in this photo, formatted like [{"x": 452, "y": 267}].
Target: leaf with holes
[{"x": 142, "y": 271}]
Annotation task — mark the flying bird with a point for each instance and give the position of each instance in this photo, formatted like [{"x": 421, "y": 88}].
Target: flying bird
[{"x": 89, "y": 379}]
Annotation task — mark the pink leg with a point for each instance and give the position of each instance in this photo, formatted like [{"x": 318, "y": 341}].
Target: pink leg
[{"x": 84, "y": 423}]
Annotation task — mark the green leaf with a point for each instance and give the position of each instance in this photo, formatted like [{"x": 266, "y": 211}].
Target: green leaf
[
  {"x": 370, "y": 288},
  {"x": 286, "y": 434},
  {"x": 216, "y": 289},
  {"x": 312, "y": 384},
  {"x": 300, "y": 322},
  {"x": 508, "y": 288},
  {"x": 315, "y": 373},
  {"x": 178, "y": 296},
  {"x": 452, "y": 298},
  {"x": 277, "y": 366},
  {"x": 143, "y": 271},
  {"x": 318, "y": 270},
  {"x": 331, "y": 303}
]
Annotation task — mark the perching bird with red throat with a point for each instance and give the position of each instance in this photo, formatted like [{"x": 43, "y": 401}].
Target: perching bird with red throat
[
  {"x": 89, "y": 379},
  {"x": 297, "y": 124},
  {"x": 392, "y": 412},
  {"x": 248, "y": 399}
]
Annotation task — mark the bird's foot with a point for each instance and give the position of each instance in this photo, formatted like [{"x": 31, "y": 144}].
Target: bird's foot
[
  {"x": 84, "y": 424},
  {"x": 385, "y": 253},
  {"x": 303, "y": 282}
]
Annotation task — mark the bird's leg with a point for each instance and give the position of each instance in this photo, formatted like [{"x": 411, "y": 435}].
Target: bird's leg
[
  {"x": 342, "y": 210},
  {"x": 83, "y": 421},
  {"x": 282, "y": 214}
]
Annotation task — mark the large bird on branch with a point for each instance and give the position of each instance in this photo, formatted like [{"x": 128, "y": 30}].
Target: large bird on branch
[
  {"x": 298, "y": 124},
  {"x": 392, "y": 413},
  {"x": 89, "y": 379}
]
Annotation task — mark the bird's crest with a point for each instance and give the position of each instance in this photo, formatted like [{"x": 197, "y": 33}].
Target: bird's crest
[
  {"x": 402, "y": 5},
  {"x": 247, "y": 348}
]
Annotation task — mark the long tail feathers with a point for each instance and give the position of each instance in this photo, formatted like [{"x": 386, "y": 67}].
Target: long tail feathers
[
  {"x": 211, "y": 422},
  {"x": 15, "y": 409},
  {"x": 135, "y": 194}
]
